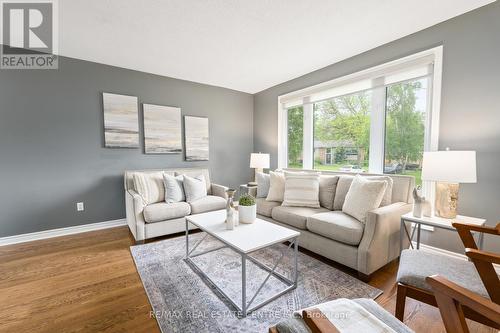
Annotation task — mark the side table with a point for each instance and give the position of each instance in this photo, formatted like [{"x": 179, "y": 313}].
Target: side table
[
  {"x": 436, "y": 222},
  {"x": 245, "y": 189}
]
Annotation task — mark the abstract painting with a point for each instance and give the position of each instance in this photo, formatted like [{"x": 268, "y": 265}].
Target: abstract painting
[
  {"x": 121, "y": 121},
  {"x": 196, "y": 138},
  {"x": 162, "y": 129}
]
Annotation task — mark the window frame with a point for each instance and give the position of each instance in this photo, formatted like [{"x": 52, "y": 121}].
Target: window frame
[{"x": 433, "y": 56}]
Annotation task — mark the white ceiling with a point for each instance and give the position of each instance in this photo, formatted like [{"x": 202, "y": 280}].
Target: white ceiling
[{"x": 246, "y": 45}]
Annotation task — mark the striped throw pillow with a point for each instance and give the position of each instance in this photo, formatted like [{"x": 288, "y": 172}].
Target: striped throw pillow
[
  {"x": 149, "y": 186},
  {"x": 301, "y": 189}
]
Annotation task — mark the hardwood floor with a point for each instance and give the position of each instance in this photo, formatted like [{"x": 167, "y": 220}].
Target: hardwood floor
[{"x": 88, "y": 283}]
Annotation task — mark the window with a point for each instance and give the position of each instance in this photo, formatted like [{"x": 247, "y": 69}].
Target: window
[
  {"x": 342, "y": 133},
  {"x": 379, "y": 120},
  {"x": 328, "y": 156},
  {"x": 405, "y": 119},
  {"x": 295, "y": 136}
]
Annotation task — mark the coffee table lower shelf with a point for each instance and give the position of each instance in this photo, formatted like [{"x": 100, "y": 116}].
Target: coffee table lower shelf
[{"x": 246, "y": 307}]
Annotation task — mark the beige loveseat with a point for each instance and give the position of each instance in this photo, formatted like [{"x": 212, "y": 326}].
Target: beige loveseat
[
  {"x": 161, "y": 218},
  {"x": 340, "y": 237}
]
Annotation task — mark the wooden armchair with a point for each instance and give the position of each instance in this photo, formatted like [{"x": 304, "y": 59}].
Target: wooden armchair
[{"x": 416, "y": 266}]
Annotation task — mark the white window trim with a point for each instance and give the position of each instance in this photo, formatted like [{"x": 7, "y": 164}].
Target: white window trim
[
  {"x": 431, "y": 139},
  {"x": 308, "y": 133}
]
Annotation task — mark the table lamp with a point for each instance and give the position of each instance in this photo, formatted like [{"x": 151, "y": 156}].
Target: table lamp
[
  {"x": 259, "y": 162},
  {"x": 448, "y": 169}
]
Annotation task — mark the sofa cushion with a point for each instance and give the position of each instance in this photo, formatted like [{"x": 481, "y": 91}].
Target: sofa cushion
[
  {"x": 149, "y": 186},
  {"x": 276, "y": 187},
  {"x": 337, "y": 226},
  {"x": 387, "y": 199},
  {"x": 195, "y": 172},
  {"x": 265, "y": 207},
  {"x": 292, "y": 325},
  {"x": 207, "y": 204},
  {"x": 343, "y": 186},
  {"x": 263, "y": 183},
  {"x": 327, "y": 188},
  {"x": 344, "y": 183},
  {"x": 165, "y": 211},
  {"x": 295, "y": 216},
  {"x": 174, "y": 188},
  {"x": 194, "y": 188},
  {"x": 301, "y": 190},
  {"x": 416, "y": 265},
  {"x": 364, "y": 195}
]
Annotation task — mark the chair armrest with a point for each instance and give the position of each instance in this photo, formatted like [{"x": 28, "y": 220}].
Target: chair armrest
[
  {"x": 465, "y": 232},
  {"x": 219, "y": 190},
  {"x": 483, "y": 261},
  {"x": 473, "y": 227},
  {"x": 381, "y": 236},
  {"x": 490, "y": 257},
  {"x": 318, "y": 322},
  {"x": 448, "y": 294},
  {"x": 273, "y": 329}
]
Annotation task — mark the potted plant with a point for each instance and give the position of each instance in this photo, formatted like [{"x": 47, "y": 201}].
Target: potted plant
[{"x": 247, "y": 209}]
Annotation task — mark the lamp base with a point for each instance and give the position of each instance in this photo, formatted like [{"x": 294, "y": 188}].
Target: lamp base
[
  {"x": 446, "y": 200},
  {"x": 255, "y": 173}
]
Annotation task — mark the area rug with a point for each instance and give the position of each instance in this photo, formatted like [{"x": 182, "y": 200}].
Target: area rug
[{"x": 183, "y": 302}]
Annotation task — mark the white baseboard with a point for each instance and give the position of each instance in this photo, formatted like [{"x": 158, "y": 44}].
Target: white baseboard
[
  {"x": 433, "y": 249},
  {"x": 16, "y": 239}
]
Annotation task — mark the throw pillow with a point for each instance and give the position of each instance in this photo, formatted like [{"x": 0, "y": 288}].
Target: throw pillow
[
  {"x": 149, "y": 186},
  {"x": 174, "y": 188},
  {"x": 363, "y": 196},
  {"x": 195, "y": 188},
  {"x": 343, "y": 186},
  {"x": 327, "y": 188},
  {"x": 387, "y": 199},
  {"x": 301, "y": 190},
  {"x": 276, "y": 186},
  {"x": 263, "y": 183}
]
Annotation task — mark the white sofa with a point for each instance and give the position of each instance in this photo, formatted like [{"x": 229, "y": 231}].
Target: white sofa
[
  {"x": 338, "y": 236},
  {"x": 159, "y": 219}
]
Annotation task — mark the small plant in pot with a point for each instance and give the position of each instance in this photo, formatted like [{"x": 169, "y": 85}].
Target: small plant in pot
[{"x": 247, "y": 209}]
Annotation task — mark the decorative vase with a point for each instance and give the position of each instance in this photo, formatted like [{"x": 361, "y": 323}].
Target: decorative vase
[
  {"x": 247, "y": 214},
  {"x": 230, "y": 209}
]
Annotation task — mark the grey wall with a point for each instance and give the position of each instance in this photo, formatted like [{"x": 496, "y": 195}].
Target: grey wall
[
  {"x": 51, "y": 141},
  {"x": 470, "y": 111}
]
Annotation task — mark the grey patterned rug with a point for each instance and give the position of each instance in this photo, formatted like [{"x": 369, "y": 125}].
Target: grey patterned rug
[{"x": 183, "y": 302}]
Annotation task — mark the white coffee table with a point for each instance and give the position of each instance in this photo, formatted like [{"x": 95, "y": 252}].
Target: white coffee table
[{"x": 244, "y": 239}]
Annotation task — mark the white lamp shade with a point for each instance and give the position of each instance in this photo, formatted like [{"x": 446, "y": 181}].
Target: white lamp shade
[
  {"x": 259, "y": 161},
  {"x": 451, "y": 166}
]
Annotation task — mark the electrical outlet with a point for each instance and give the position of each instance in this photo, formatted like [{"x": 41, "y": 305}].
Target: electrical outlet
[{"x": 80, "y": 207}]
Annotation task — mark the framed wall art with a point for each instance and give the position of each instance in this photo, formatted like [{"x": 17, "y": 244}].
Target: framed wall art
[{"x": 196, "y": 138}]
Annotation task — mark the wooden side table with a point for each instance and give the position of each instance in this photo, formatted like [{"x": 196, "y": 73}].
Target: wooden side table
[{"x": 436, "y": 222}]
